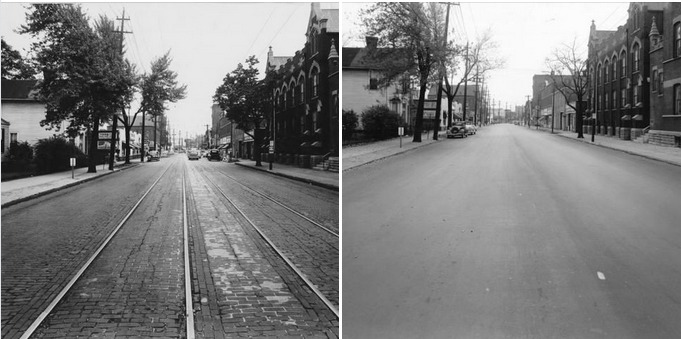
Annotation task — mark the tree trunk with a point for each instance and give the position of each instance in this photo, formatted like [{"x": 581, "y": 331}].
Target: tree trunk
[
  {"x": 579, "y": 119},
  {"x": 92, "y": 165},
  {"x": 418, "y": 124},
  {"x": 127, "y": 144}
]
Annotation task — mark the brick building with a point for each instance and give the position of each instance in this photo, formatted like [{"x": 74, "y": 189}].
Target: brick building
[
  {"x": 305, "y": 94},
  {"x": 619, "y": 67},
  {"x": 548, "y": 106},
  {"x": 665, "y": 76}
]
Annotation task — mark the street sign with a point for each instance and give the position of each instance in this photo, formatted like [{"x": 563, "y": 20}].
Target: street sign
[
  {"x": 104, "y": 135},
  {"x": 400, "y": 131},
  {"x": 103, "y": 145},
  {"x": 271, "y": 146},
  {"x": 72, "y": 162}
]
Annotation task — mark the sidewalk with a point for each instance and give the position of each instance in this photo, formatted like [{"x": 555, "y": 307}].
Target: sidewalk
[
  {"x": 19, "y": 190},
  {"x": 326, "y": 179},
  {"x": 358, "y": 155},
  {"x": 670, "y": 155}
]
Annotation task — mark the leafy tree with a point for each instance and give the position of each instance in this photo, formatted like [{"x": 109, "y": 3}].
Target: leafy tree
[
  {"x": 85, "y": 78},
  {"x": 245, "y": 100},
  {"x": 477, "y": 58},
  {"x": 413, "y": 32},
  {"x": 14, "y": 67},
  {"x": 158, "y": 88},
  {"x": 380, "y": 122},
  {"x": 570, "y": 78}
]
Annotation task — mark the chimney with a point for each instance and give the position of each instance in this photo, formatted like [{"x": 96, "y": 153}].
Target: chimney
[{"x": 372, "y": 41}]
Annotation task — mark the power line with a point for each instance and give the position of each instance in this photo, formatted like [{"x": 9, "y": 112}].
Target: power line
[
  {"x": 261, "y": 29},
  {"x": 280, "y": 28}
]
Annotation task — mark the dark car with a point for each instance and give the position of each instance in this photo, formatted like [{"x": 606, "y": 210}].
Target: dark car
[
  {"x": 214, "y": 155},
  {"x": 457, "y": 131},
  {"x": 153, "y": 156}
]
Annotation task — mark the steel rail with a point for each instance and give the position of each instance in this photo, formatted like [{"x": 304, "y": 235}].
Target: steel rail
[
  {"x": 87, "y": 264},
  {"x": 300, "y": 274},
  {"x": 284, "y": 206},
  {"x": 189, "y": 311}
]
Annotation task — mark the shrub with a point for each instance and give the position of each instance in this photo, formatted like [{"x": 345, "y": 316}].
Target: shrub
[
  {"x": 53, "y": 154},
  {"x": 20, "y": 156},
  {"x": 380, "y": 122},
  {"x": 350, "y": 123}
]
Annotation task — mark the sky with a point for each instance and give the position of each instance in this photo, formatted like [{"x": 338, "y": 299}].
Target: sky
[
  {"x": 525, "y": 33},
  {"x": 206, "y": 41}
]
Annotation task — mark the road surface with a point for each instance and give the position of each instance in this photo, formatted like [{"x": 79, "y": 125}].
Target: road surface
[{"x": 512, "y": 233}]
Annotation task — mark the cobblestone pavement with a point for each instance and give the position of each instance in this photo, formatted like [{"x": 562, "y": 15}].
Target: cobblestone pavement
[
  {"x": 134, "y": 288},
  {"x": 45, "y": 240},
  {"x": 242, "y": 287}
]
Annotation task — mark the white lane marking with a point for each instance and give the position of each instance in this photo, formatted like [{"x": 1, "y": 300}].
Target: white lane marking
[{"x": 600, "y": 275}]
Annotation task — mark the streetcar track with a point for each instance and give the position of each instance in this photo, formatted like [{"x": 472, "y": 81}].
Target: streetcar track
[
  {"x": 58, "y": 298},
  {"x": 313, "y": 287},
  {"x": 334, "y": 233}
]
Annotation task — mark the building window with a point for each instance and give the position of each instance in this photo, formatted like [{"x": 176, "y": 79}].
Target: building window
[
  {"x": 302, "y": 124},
  {"x": 653, "y": 80},
  {"x": 301, "y": 91},
  {"x": 606, "y": 69},
  {"x": 677, "y": 99},
  {"x": 614, "y": 99},
  {"x": 607, "y": 101},
  {"x": 635, "y": 57},
  {"x": 313, "y": 43},
  {"x": 660, "y": 82},
  {"x": 283, "y": 97},
  {"x": 636, "y": 96},
  {"x": 677, "y": 39},
  {"x": 623, "y": 63},
  {"x": 614, "y": 68},
  {"x": 315, "y": 82},
  {"x": 623, "y": 96}
]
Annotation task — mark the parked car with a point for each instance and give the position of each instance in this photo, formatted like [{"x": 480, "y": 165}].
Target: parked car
[
  {"x": 193, "y": 154},
  {"x": 214, "y": 155},
  {"x": 457, "y": 131},
  {"x": 471, "y": 129},
  {"x": 153, "y": 156}
]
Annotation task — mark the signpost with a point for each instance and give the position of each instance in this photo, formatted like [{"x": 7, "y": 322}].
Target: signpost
[
  {"x": 73, "y": 165},
  {"x": 271, "y": 152},
  {"x": 400, "y": 132}
]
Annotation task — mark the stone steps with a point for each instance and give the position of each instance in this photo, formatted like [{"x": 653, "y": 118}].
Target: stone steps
[{"x": 332, "y": 165}]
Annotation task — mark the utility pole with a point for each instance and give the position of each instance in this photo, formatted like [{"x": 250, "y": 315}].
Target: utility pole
[
  {"x": 475, "y": 112},
  {"x": 438, "y": 104},
  {"x": 114, "y": 126},
  {"x": 465, "y": 85}
]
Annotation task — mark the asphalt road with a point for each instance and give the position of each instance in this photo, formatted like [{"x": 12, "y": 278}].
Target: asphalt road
[
  {"x": 512, "y": 233},
  {"x": 135, "y": 287}
]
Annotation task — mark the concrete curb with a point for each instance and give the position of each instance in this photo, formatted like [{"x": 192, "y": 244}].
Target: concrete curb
[
  {"x": 52, "y": 190},
  {"x": 391, "y": 155},
  {"x": 619, "y": 149},
  {"x": 307, "y": 181}
]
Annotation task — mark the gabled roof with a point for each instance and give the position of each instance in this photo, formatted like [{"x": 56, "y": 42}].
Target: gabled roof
[
  {"x": 330, "y": 14},
  {"x": 19, "y": 90},
  {"x": 358, "y": 58}
]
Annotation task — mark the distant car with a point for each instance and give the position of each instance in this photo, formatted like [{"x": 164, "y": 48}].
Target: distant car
[
  {"x": 193, "y": 154},
  {"x": 214, "y": 155},
  {"x": 471, "y": 129},
  {"x": 153, "y": 156},
  {"x": 457, "y": 131}
]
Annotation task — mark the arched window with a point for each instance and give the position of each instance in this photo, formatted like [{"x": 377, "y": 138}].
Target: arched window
[
  {"x": 598, "y": 75},
  {"x": 314, "y": 78},
  {"x": 614, "y": 68},
  {"x": 606, "y": 70},
  {"x": 283, "y": 97},
  {"x": 623, "y": 62},
  {"x": 660, "y": 80},
  {"x": 677, "y": 99},
  {"x": 635, "y": 57},
  {"x": 623, "y": 96},
  {"x": 653, "y": 80},
  {"x": 301, "y": 89},
  {"x": 677, "y": 39}
]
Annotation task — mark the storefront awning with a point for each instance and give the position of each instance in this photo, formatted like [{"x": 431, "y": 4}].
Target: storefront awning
[{"x": 224, "y": 146}]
